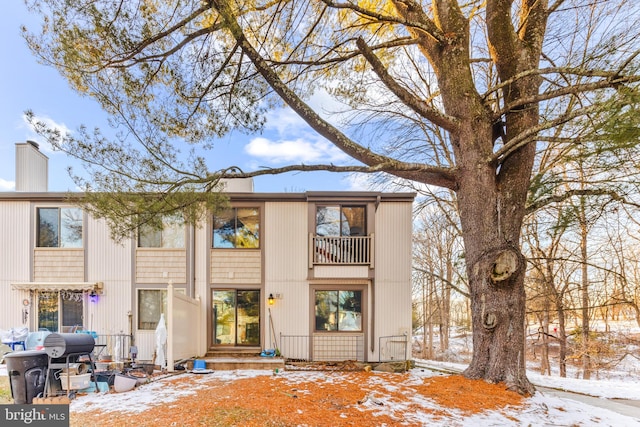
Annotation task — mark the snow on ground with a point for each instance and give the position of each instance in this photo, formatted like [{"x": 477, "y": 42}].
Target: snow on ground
[
  {"x": 543, "y": 409},
  {"x": 546, "y": 408},
  {"x": 604, "y": 388}
]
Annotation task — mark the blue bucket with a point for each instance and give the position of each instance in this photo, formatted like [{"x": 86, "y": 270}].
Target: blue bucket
[{"x": 199, "y": 364}]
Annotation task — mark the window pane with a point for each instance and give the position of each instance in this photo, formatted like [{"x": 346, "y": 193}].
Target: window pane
[
  {"x": 149, "y": 237},
  {"x": 224, "y": 229},
  {"x": 326, "y": 310},
  {"x": 248, "y": 228},
  {"x": 151, "y": 303},
  {"x": 48, "y": 311},
  {"x": 340, "y": 221},
  {"x": 171, "y": 235},
  {"x": 173, "y": 232},
  {"x": 71, "y": 308},
  {"x": 248, "y": 317},
  {"x": 353, "y": 223},
  {"x": 224, "y": 315},
  {"x": 350, "y": 311},
  {"x": 48, "y": 231},
  {"x": 237, "y": 228},
  {"x": 70, "y": 228}
]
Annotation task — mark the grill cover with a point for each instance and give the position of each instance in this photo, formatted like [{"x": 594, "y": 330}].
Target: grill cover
[{"x": 59, "y": 345}]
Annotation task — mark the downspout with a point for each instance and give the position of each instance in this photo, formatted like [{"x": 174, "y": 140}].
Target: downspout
[
  {"x": 373, "y": 316},
  {"x": 192, "y": 273}
]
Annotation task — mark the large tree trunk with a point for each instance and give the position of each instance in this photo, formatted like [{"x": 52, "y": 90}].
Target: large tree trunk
[{"x": 491, "y": 223}]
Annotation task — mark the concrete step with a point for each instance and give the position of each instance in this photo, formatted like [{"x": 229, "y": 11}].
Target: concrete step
[{"x": 228, "y": 363}]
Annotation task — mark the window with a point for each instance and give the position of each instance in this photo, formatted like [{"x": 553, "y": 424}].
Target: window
[
  {"x": 151, "y": 304},
  {"x": 340, "y": 221},
  {"x": 338, "y": 310},
  {"x": 60, "y": 311},
  {"x": 59, "y": 228},
  {"x": 170, "y": 235},
  {"x": 237, "y": 228}
]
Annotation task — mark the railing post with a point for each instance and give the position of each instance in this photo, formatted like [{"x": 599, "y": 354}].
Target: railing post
[{"x": 169, "y": 359}]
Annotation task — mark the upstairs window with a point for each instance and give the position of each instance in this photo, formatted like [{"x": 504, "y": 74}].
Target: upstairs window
[
  {"x": 339, "y": 220},
  {"x": 237, "y": 228},
  {"x": 170, "y": 235},
  {"x": 59, "y": 228}
]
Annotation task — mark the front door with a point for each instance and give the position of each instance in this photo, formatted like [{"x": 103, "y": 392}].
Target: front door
[{"x": 236, "y": 317}]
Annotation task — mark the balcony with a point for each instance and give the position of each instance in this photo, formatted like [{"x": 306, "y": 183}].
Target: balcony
[{"x": 341, "y": 250}]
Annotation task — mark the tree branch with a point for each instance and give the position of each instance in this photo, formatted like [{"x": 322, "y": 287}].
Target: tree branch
[
  {"x": 392, "y": 168},
  {"x": 445, "y": 281},
  {"x": 358, "y": 152},
  {"x": 579, "y": 192},
  {"x": 417, "y": 105},
  {"x": 524, "y": 138},
  {"x": 426, "y": 26},
  {"x": 612, "y": 82}
]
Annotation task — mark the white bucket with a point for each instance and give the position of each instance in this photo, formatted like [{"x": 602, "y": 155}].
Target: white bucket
[{"x": 122, "y": 383}]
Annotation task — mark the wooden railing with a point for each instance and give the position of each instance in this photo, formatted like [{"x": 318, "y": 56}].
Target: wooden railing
[{"x": 341, "y": 250}]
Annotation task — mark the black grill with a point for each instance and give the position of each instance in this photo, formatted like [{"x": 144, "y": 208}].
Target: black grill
[{"x": 61, "y": 345}]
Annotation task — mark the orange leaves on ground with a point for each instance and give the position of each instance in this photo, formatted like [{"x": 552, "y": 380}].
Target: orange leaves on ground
[
  {"x": 312, "y": 399},
  {"x": 468, "y": 396}
]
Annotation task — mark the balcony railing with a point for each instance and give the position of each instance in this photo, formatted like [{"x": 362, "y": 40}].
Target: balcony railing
[{"x": 341, "y": 250}]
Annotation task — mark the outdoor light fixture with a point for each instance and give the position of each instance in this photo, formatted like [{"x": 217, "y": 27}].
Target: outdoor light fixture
[
  {"x": 93, "y": 296},
  {"x": 271, "y": 300}
]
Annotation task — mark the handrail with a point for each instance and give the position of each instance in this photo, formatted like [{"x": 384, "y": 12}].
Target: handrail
[{"x": 341, "y": 250}]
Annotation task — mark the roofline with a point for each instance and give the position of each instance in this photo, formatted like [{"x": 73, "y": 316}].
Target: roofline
[{"x": 308, "y": 196}]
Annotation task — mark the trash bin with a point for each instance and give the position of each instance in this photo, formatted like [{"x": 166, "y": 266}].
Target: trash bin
[{"x": 27, "y": 372}]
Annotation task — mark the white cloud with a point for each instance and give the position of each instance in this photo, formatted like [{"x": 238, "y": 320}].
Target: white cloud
[
  {"x": 45, "y": 146},
  {"x": 359, "y": 182},
  {"x": 294, "y": 151},
  {"x": 7, "y": 185},
  {"x": 285, "y": 120}
]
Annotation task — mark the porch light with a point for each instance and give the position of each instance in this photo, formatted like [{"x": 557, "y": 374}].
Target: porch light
[
  {"x": 93, "y": 296},
  {"x": 271, "y": 299}
]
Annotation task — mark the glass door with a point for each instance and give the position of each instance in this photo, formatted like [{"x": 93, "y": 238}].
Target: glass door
[
  {"x": 236, "y": 317},
  {"x": 60, "y": 311}
]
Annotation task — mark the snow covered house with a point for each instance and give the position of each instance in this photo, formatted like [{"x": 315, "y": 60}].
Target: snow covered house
[{"x": 322, "y": 276}]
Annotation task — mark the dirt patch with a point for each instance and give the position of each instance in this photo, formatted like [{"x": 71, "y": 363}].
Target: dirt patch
[{"x": 336, "y": 399}]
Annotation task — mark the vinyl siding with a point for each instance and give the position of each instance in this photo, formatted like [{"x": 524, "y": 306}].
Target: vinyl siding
[
  {"x": 111, "y": 263},
  {"x": 236, "y": 266},
  {"x": 393, "y": 269},
  {"x": 58, "y": 265},
  {"x": 286, "y": 266},
  {"x": 153, "y": 263},
  {"x": 15, "y": 260}
]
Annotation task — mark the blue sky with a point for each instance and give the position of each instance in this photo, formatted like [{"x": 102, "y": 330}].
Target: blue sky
[{"x": 27, "y": 85}]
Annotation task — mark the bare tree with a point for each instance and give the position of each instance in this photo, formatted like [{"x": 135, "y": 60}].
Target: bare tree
[{"x": 437, "y": 249}]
